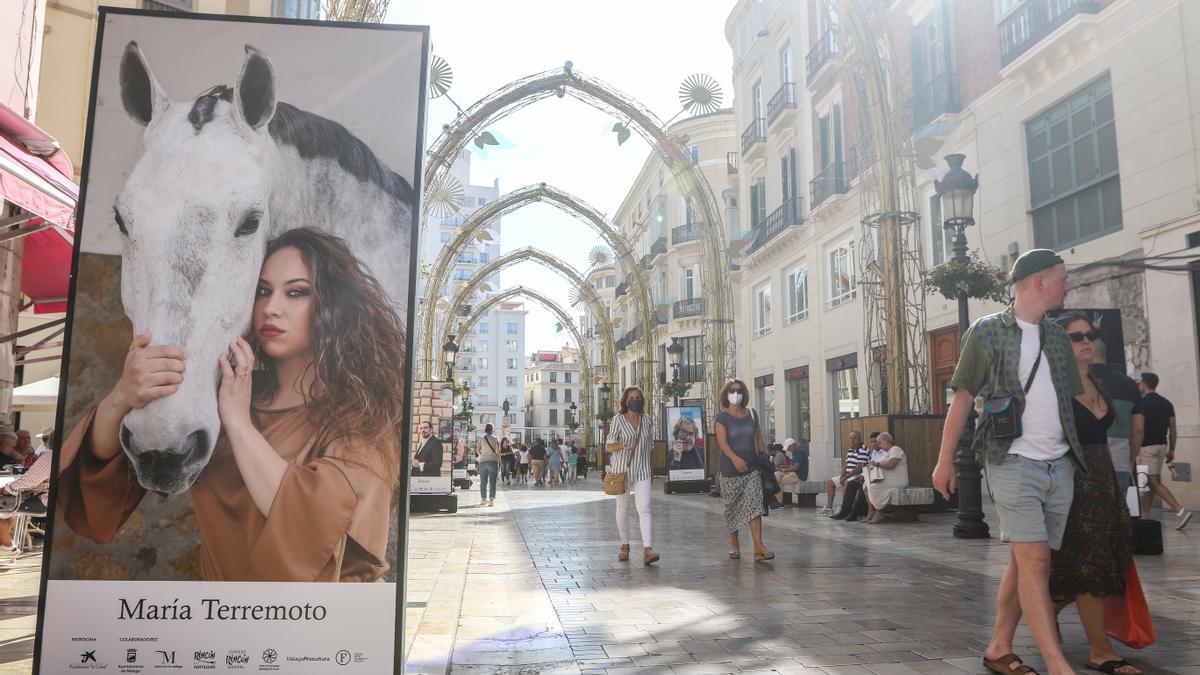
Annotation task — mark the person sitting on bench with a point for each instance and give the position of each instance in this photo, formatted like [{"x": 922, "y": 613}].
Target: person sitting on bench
[{"x": 856, "y": 461}]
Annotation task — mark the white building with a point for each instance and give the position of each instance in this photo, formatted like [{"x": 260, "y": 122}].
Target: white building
[
  {"x": 552, "y": 386},
  {"x": 603, "y": 279},
  {"x": 490, "y": 358}
]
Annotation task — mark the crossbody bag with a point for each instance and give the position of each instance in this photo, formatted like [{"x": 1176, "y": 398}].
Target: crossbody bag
[{"x": 1005, "y": 412}]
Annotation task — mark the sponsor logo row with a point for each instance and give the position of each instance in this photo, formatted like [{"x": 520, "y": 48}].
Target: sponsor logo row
[{"x": 136, "y": 659}]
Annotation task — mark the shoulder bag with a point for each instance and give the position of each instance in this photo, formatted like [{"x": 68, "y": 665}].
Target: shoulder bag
[
  {"x": 1005, "y": 411},
  {"x": 874, "y": 473},
  {"x": 617, "y": 483}
]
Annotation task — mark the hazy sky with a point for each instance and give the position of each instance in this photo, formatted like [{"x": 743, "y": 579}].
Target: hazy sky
[{"x": 644, "y": 48}]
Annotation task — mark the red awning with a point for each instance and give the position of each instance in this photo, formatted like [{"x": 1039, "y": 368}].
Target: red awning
[{"x": 37, "y": 176}]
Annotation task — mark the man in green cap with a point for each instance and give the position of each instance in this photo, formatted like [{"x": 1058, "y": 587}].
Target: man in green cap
[{"x": 1021, "y": 364}]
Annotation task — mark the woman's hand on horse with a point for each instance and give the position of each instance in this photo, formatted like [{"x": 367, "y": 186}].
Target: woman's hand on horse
[
  {"x": 234, "y": 394},
  {"x": 150, "y": 373}
]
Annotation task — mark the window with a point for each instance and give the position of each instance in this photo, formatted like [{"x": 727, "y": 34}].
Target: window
[
  {"x": 464, "y": 363},
  {"x": 766, "y": 409},
  {"x": 446, "y": 237},
  {"x": 483, "y": 363},
  {"x": 482, "y": 201},
  {"x": 483, "y": 345},
  {"x": 787, "y": 173},
  {"x": 691, "y": 361},
  {"x": 553, "y": 395},
  {"x": 842, "y": 284},
  {"x": 483, "y": 380},
  {"x": 830, "y": 138},
  {"x": 799, "y": 412},
  {"x": 510, "y": 380},
  {"x": 567, "y": 395},
  {"x": 797, "y": 295},
  {"x": 610, "y": 281},
  {"x": 786, "y": 74},
  {"x": 485, "y": 258},
  {"x": 756, "y": 96},
  {"x": 483, "y": 398},
  {"x": 693, "y": 154},
  {"x": 483, "y": 328},
  {"x": 762, "y": 311},
  {"x": 687, "y": 283},
  {"x": 511, "y": 328},
  {"x": 1074, "y": 184},
  {"x": 510, "y": 363},
  {"x": 510, "y": 346},
  {"x": 462, "y": 275},
  {"x": 554, "y": 417},
  {"x": 758, "y": 203}
]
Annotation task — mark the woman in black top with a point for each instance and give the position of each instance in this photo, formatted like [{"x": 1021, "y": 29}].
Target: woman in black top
[
  {"x": 506, "y": 460},
  {"x": 1094, "y": 558}
]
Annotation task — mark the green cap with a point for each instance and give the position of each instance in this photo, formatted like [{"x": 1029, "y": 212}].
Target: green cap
[{"x": 1032, "y": 262}]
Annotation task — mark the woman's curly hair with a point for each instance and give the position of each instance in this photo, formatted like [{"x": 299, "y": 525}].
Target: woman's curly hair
[{"x": 358, "y": 344}]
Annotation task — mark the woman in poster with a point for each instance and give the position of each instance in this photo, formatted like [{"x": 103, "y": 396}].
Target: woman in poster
[
  {"x": 299, "y": 487},
  {"x": 688, "y": 449}
]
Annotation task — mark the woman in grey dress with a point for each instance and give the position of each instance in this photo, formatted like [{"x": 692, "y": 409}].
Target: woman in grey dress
[
  {"x": 741, "y": 441},
  {"x": 629, "y": 439}
]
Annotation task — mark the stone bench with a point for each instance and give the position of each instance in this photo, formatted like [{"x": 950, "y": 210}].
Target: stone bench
[
  {"x": 804, "y": 493},
  {"x": 908, "y": 502}
]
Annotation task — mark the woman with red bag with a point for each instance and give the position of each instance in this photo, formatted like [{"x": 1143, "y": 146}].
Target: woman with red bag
[{"x": 1095, "y": 559}]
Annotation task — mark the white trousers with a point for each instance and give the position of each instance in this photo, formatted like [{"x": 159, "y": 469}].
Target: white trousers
[{"x": 641, "y": 494}]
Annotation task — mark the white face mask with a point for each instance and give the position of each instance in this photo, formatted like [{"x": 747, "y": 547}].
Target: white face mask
[{"x": 735, "y": 398}]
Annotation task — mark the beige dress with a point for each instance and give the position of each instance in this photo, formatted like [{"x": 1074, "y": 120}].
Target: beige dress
[
  {"x": 883, "y": 493},
  {"x": 329, "y": 520}
]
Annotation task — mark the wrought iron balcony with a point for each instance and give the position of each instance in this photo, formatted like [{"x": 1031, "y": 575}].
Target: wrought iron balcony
[
  {"x": 830, "y": 181},
  {"x": 821, "y": 54},
  {"x": 622, "y": 289},
  {"x": 789, "y": 214},
  {"x": 685, "y": 233},
  {"x": 689, "y": 307},
  {"x": 934, "y": 99},
  {"x": 659, "y": 247},
  {"x": 731, "y": 163},
  {"x": 783, "y": 99},
  {"x": 755, "y": 133},
  {"x": 1033, "y": 20}
]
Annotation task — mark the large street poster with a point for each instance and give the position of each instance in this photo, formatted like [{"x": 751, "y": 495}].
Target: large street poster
[
  {"x": 231, "y": 482},
  {"x": 685, "y": 447}
]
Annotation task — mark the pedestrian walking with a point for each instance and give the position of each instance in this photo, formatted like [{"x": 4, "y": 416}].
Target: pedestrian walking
[
  {"x": 523, "y": 463},
  {"x": 537, "y": 461},
  {"x": 1022, "y": 365},
  {"x": 487, "y": 463},
  {"x": 573, "y": 465},
  {"x": 1155, "y": 430},
  {"x": 629, "y": 440},
  {"x": 554, "y": 463},
  {"x": 740, "y": 441},
  {"x": 1097, "y": 549},
  {"x": 506, "y": 461}
]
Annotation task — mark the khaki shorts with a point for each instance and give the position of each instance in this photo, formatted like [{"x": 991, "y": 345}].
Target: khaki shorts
[{"x": 1153, "y": 456}]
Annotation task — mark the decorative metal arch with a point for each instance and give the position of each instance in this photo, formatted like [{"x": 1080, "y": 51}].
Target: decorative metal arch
[
  {"x": 585, "y": 408},
  {"x": 519, "y": 199},
  {"x": 719, "y": 333},
  {"x": 587, "y": 293}
]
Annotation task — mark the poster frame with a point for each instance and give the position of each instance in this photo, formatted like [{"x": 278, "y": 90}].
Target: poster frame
[{"x": 86, "y": 164}]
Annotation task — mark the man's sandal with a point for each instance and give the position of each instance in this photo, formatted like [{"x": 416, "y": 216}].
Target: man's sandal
[
  {"x": 1110, "y": 667},
  {"x": 1008, "y": 665}
]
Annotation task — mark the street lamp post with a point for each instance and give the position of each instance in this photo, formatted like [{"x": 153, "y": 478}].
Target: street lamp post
[
  {"x": 956, "y": 190},
  {"x": 449, "y": 354},
  {"x": 675, "y": 350}
]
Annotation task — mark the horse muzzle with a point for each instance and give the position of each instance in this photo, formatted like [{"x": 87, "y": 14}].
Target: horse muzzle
[{"x": 170, "y": 470}]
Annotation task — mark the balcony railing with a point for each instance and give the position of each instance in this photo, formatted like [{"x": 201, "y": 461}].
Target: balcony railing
[
  {"x": 755, "y": 133},
  {"x": 685, "y": 233},
  {"x": 622, "y": 289},
  {"x": 731, "y": 163},
  {"x": 689, "y": 307},
  {"x": 830, "y": 181},
  {"x": 824, "y": 51},
  {"x": 1033, "y": 20},
  {"x": 783, "y": 99},
  {"x": 934, "y": 99},
  {"x": 789, "y": 214},
  {"x": 659, "y": 247}
]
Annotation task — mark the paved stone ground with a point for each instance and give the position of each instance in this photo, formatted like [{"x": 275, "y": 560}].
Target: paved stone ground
[{"x": 532, "y": 585}]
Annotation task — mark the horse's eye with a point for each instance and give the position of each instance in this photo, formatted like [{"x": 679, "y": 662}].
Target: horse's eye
[
  {"x": 249, "y": 224},
  {"x": 120, "y": 221}
]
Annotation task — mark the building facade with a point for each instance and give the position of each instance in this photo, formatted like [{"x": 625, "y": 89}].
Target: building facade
[
  {"x": 553, "y": 391},
  {"x": 667, "y": 240},
  {"x": 1081, "y": 120}
]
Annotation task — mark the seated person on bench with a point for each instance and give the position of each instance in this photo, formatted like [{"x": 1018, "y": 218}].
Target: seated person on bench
[
  {"x": 35, "y": 481},
  {"x": 786, "y": 466},
  {"x": 856, "y": 460},
  {"x": 881, "y": 494}
]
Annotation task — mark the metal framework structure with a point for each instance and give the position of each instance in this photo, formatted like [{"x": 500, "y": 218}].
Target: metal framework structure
[
  {"x": 585, "y": 408},
  {"x": 719, "y": 330},
  {"x": 891, "y": 264},
  {"x": 587, "y": 294}
]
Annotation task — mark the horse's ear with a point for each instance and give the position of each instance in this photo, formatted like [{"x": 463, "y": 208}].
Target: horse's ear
[
  {"x": 142, "y": 96},
  {"x": 254, "y": 94}
]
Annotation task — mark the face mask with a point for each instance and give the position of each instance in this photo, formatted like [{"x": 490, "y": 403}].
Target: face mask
[
  {"x": 735, "y": 398},
  {"x": 636, "y": 404}
]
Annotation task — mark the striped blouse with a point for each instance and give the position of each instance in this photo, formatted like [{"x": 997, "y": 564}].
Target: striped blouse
[{"x": 637, "y": 460}]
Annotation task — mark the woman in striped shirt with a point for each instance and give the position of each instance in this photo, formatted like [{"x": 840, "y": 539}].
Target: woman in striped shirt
[{"x": 629, "y": 441}]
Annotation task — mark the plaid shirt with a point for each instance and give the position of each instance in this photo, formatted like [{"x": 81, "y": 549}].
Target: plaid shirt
[{"x": 997, "y": 337}]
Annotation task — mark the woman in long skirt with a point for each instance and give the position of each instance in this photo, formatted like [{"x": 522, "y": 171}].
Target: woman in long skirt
[{"x": 741, "y": 441}]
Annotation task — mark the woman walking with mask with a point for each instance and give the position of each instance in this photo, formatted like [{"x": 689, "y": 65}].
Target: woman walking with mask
[
  {"x": 487, "y": 460},
  {"x": 629, "y": 441},
  {"x": 741, "y": 441}
]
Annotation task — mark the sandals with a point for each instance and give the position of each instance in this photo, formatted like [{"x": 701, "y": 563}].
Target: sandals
[
  {"x": 764, "y": 556},
  {"x": 1007, "y": 665},
  {"x": 1110, "y": 667},
  {"x": 623, "y": 554},
  {"x": 735, "y": 555}
]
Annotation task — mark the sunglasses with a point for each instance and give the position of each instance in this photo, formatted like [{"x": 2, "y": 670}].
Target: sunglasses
[
  {"x": 1090, "y": 336},
  {"x": 737, "y": 391}
]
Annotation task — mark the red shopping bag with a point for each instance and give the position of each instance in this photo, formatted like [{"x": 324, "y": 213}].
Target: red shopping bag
[{"x": 1128, "y": 616}]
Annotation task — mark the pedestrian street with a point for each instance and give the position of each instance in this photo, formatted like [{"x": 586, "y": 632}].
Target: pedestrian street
[{"x": 533, "y": 585}]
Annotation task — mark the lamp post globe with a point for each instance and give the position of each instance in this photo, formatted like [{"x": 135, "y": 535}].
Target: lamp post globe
[
  {"x": 449, "y": 354},
  {"x": 676, "y": 352},
  {"x": 956, "y": 191}
]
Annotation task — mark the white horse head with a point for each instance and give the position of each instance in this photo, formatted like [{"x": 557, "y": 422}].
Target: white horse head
[{"x": 194, "y": 220}]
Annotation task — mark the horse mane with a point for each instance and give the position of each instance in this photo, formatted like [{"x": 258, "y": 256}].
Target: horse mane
[{"x": 313, "y": 136}]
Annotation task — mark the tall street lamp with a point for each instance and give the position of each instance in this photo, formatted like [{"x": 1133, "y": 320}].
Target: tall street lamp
[
  {"x": 676, "y": 351},
  {"x": 956, "y": 190},
  {"x": 449, "y": 354}
]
